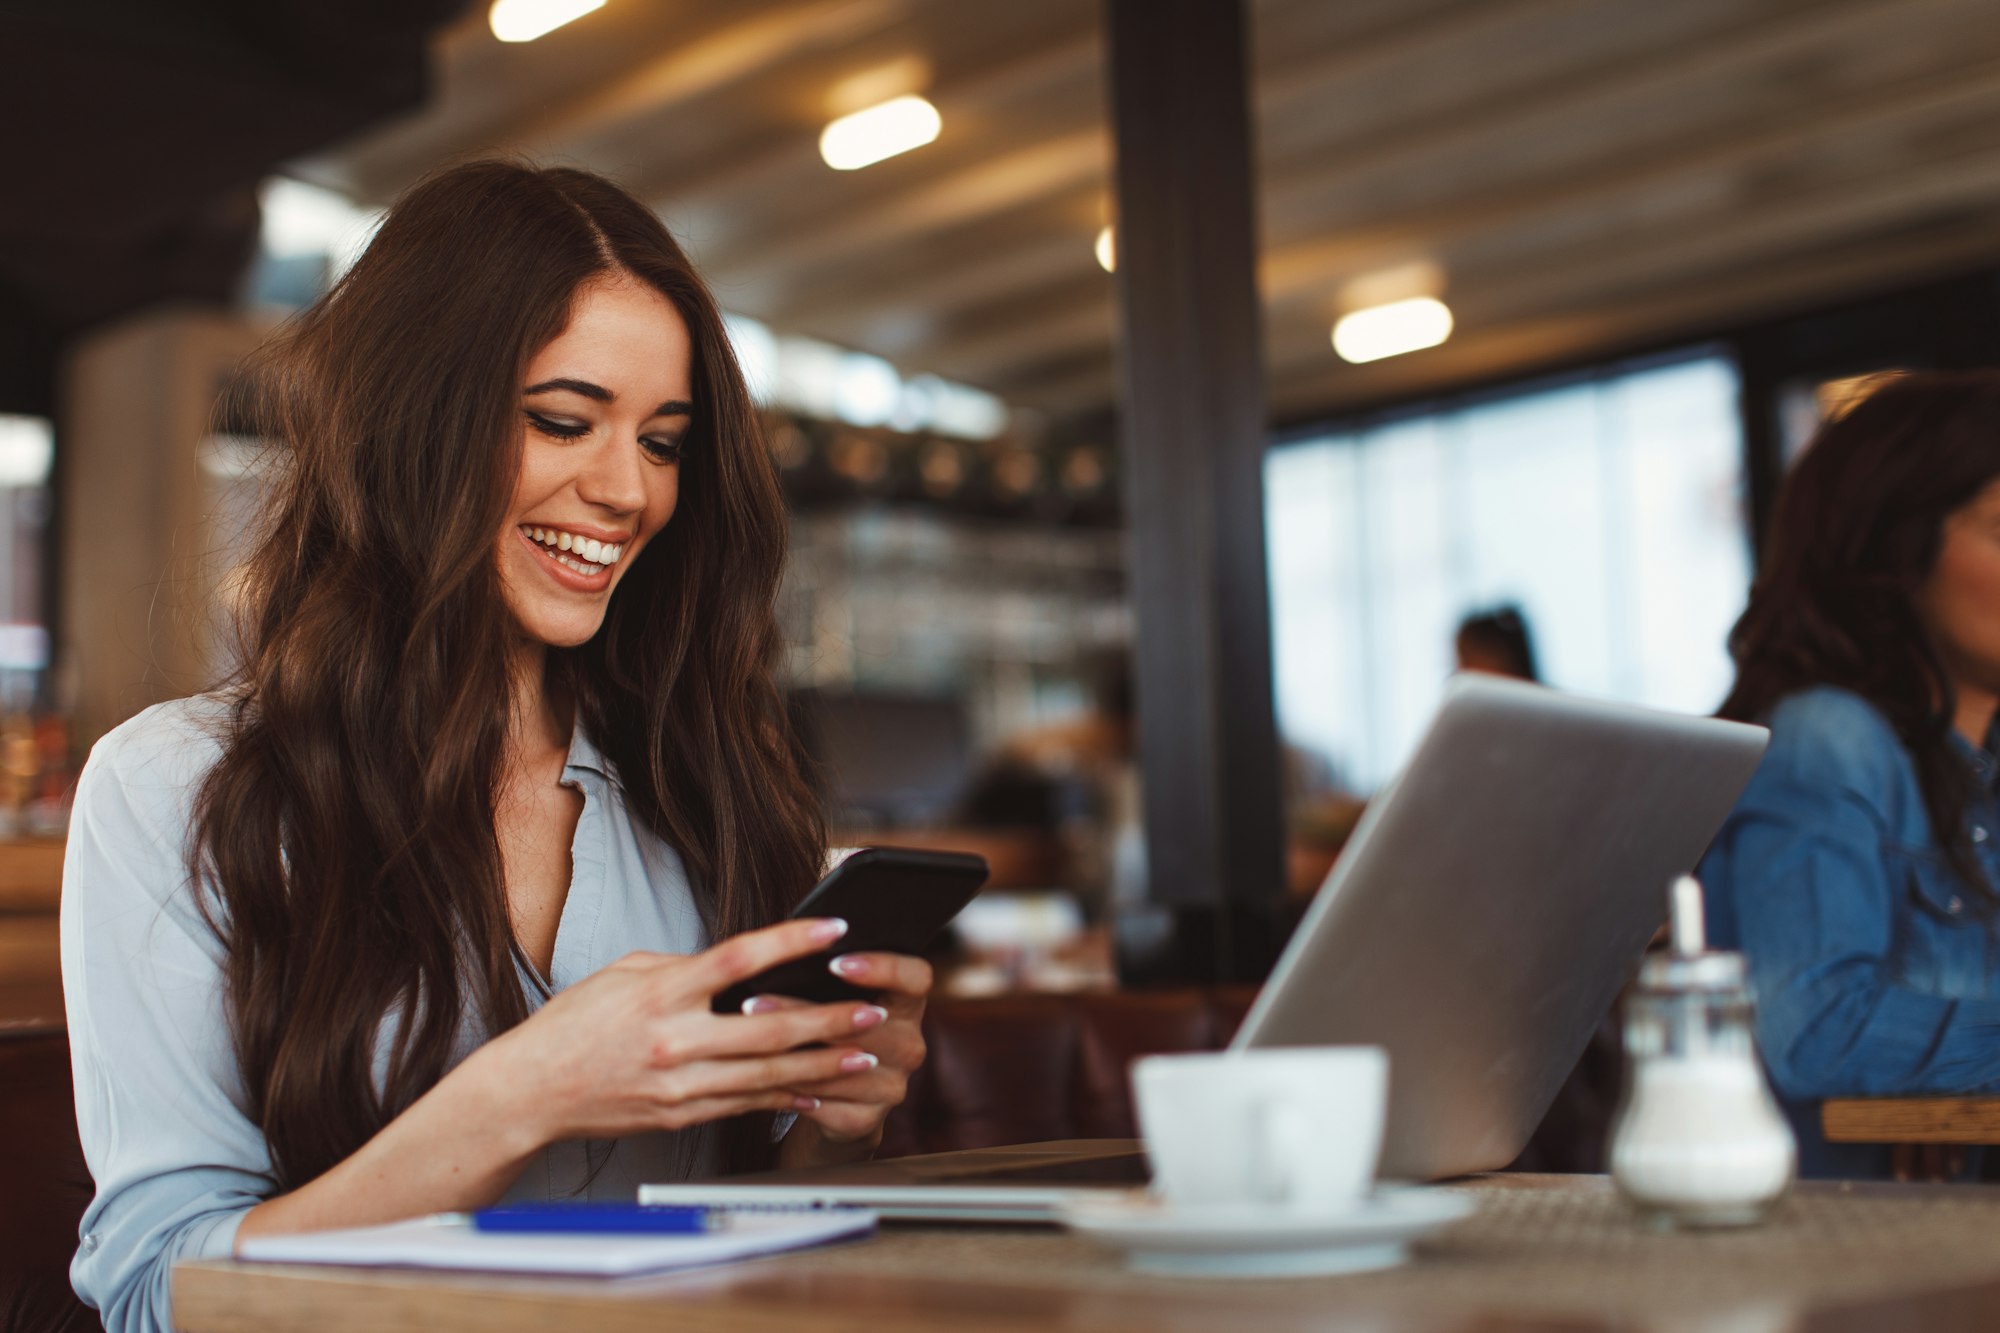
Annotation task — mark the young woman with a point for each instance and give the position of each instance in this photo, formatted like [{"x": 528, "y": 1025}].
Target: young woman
[
  {"x": 418, "y": 912},
  {"x": 1859, "y": 869}
]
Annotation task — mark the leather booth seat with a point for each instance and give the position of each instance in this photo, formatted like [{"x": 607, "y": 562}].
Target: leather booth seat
[
  {"x": 1032, "y": 1068},
  {"x": 44, "y": 1185}
]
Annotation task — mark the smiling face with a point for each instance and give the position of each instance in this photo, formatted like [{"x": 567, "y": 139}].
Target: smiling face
[{"x": 605, "y": 407}]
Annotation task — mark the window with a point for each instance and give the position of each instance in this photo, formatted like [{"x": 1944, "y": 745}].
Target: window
[
  {"x": 1609, "y": 511},
  {"x": 27, "y": 448}
]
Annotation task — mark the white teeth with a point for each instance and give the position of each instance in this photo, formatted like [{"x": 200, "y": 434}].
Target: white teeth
[{"x": 593, "y": 556}]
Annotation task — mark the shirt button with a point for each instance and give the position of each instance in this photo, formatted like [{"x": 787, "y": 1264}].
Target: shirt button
[
  {"x": 1979, "y": 833},
  {"x": 90, "y": 1243},
  {"x": 1955, "y": 906}
]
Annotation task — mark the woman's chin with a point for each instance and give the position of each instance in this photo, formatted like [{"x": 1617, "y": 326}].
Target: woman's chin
[{"x": 561, "y": 631}]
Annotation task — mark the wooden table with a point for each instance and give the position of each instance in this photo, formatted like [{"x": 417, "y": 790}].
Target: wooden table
[{"x": 1550, "y": 1253}]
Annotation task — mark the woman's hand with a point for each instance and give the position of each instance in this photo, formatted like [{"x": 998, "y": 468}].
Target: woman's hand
[
  {"x": 847, "y": 1122},
  {"x": 635, "y": 1046},
  {"x": 632, "y": 1048}
]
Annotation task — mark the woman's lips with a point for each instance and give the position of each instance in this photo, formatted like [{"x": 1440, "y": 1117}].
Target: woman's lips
[{"x": 574, "y": 580}]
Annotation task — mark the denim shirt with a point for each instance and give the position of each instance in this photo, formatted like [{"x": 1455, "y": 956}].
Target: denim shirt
[{"x": 1877, "y": 966}]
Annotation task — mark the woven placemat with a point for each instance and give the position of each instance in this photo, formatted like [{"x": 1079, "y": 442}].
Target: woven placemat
[{"x": 1577, "y": 1250}]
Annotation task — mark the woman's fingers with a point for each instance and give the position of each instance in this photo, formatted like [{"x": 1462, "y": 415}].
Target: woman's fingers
[
  {"x": 845, "y": 1121},
  {"x": 741, "y": 957},
  {"x": 712, "y": 1036},
  {"x": 880, "y": 1088},
  {"x": 772, "y": 1004},
  {"x": 765, "y": 1073},
  {"x": 683, "y": 1114},
  {"x": 895, "y": 974}
]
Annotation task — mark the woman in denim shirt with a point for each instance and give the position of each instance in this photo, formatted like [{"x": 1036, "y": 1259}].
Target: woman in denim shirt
[{"x": 1858, "y": 869}]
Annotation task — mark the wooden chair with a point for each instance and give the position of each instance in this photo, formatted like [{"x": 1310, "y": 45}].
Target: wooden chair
[{"x": 1929, "y": 1134}]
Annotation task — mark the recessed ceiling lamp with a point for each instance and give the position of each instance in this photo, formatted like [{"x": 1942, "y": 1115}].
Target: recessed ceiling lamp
[
  {"x": 525, "y": 20},
  {"x": 1391, "y": 330},
  {"x": 881, "y": 131},
  {"x": 1107, "y": 251},
  {"x": 1392, "y": 311}
]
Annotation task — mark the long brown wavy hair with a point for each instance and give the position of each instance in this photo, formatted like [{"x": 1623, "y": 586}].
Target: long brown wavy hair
[
  {"x": 346, "y": 836},
  {"x": 1857, "y": 531}
]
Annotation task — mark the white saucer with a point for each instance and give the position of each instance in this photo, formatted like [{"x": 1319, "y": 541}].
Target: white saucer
[{"x": 1255, "y": 1240}]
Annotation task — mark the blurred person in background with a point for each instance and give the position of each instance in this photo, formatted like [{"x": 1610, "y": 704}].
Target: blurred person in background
[
  {"x": 1497, "y": 643},
  {"x": 1859, "y": 869},
  {"x": 1075, "y": 783},
  {"x": 416, "y": 913}
]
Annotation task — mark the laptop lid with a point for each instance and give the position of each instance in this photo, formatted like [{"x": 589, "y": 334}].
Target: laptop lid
[{"x": 1492, "y": 903}]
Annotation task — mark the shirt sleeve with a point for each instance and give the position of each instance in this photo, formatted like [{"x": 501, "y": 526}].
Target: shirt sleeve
[
  {"x": 1813, "y": 878},
  {"x": 158, "y": 1098}
]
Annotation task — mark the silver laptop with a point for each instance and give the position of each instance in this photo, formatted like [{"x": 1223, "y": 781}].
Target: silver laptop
[{"x": 1488, "y": 909}]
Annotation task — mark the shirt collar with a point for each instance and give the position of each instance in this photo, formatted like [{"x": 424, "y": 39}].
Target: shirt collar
[
  {"x": 1984, "y": 765},
  {"x": 584, "y": 754}
]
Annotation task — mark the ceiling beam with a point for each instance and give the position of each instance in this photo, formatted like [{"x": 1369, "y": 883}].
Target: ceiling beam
[
  {"x": 1706, "y": 212},
  {"x": 726, "y": 57},
  {"x": 993, "y": 186},
  {"x": 1594, "y": 274},
  {"x": 1584, "y": 262},
  {"x": 922, "y": 298},
  {"x": 1681, "y": 307},
  {"x": 968, "y": 98},
  {"x": 1690, "y": 310},
  {"x": 1028, "y": 174},
  {"x": 978, "y": 358},
  {"x": 1310, "y": 268}
]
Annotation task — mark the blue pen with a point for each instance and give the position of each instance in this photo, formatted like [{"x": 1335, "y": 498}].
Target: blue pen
[{"x": 629, "y": 1219}]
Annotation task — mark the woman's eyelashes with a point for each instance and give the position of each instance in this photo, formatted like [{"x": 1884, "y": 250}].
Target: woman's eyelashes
[
  {"x": 663, "y": 449},
  {"x": 561, "y": 430}
]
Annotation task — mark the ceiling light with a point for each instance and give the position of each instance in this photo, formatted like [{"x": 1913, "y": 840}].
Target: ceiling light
[
  {"x": 1391, "y": 330},
  {"x": 1107, "y": 251},
  {"x": 895, "y": 126},
  {"x": 525, "y": 20}
]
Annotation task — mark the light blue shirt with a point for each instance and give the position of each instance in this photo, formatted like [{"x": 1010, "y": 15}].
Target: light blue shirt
[{"x": 159, "y": 1100}]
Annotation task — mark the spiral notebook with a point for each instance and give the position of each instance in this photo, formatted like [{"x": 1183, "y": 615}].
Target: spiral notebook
[{"x": 448, "y": 1241}]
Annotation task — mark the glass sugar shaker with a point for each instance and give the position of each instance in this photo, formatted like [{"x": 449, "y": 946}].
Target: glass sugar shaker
[{"x": 1699, "y": 1140}]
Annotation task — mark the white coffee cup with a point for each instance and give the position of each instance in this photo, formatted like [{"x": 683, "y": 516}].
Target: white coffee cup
[{"x": 1298, "y": 1129}]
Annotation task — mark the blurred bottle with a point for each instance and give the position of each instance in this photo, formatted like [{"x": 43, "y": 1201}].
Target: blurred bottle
[
  {"x": 47, "y": 814},
  {"x": 1699, "y": 1141},
  {"x": 20, "y": 765}
]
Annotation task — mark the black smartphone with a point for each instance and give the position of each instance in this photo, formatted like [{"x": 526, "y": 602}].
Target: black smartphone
[{"x": 894, "y": 900}]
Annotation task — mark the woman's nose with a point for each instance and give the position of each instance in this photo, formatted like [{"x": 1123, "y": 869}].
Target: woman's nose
[{"x": 613, "y": 477}]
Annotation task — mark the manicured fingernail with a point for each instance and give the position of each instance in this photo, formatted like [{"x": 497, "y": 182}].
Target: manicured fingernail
[
  {"x": 848, "y": 965},
  {"x": 868, "y": 1015},
  {"x": 760, "y": 1004},
  {"x": 827, "y": 931},
  {"x": 806, "y": 1103},
  {"x": 858, "y": 1061}
]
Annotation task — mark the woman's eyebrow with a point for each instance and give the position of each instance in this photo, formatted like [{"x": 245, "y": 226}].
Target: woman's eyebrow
[
  {"x": 673, "y": 407},
  {"x": 584, "y": 387}
]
